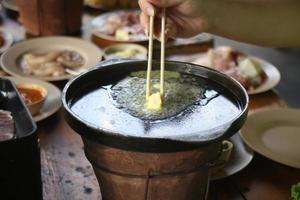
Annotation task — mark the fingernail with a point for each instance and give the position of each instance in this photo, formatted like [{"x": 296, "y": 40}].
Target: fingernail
[
  {"x": 170, "y": 31},
  {"x": 156, "y": 37},
  {"x": 150, "y": 11},
  {"x": 167, "y": 31}
]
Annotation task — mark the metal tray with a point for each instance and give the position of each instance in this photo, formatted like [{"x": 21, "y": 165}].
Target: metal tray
[{"x": 20, "y": 170}]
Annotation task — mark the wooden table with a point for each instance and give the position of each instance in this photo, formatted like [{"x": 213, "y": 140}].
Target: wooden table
[{"x": 67, "y": 175}]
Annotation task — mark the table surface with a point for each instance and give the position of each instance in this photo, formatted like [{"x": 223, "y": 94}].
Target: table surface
[{"x": 67, "y": 175}]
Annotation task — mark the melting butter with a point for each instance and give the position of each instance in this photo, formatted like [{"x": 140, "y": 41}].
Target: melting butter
[
  {"x": 180, "y": 92},
  {"x": 154, "y": 102}
]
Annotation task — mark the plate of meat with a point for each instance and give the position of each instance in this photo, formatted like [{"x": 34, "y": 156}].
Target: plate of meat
[
  {"x": 255, "y": 74},
  {"x": 118, "y": 26},
  {"x": 50, "y": 58}
]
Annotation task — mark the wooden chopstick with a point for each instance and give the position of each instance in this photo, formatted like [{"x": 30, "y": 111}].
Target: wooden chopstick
[
  {"x": 150, "y": 52},
  {"x": 162, "y": 55},
  {"x": 162, "y": 52}
]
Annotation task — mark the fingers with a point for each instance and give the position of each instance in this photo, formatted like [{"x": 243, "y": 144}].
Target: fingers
[
  {"x": 170, "y": 31},
  {"x": 147, "y": 11},
  {"x": 144, "y": 19},
  {"x": 147, "y": 8},
  {"x": 165, "y": 3}
]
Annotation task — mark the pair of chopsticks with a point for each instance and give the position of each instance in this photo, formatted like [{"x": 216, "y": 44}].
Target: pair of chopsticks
[{"x": 162, "y": 54}]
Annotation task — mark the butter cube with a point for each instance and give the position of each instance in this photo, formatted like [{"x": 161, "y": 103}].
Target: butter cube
[{"x": 154, "y": 102}]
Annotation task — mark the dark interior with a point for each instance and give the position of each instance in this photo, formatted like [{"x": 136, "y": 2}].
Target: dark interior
[{"x": 20, "y": 170}]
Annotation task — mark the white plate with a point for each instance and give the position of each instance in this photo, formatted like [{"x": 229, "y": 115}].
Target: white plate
[
  {"x": 11, "y": 58},
  {"x": 275, "y": 134},
  {"x": 101, "y": 20},
  {"x": 8, "y": 40},
  {"x": 272, "y": 73},
  {"x": 112, "y": 49},
  {"x": 53, "y": 100},
  {"x": 240, "y": 157}
]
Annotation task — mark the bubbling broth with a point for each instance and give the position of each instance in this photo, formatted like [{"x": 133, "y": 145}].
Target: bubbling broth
[{"x": 192, "y": 105}]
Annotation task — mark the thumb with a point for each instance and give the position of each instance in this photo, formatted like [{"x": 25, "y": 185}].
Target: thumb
[
  {"x": 170, "y": 30},
  {"x": 165, "y": 3}
]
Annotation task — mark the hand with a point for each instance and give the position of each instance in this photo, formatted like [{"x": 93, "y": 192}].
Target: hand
[
  {"x": 184, "y": 18},
  {"x": 249, "y": 21}
]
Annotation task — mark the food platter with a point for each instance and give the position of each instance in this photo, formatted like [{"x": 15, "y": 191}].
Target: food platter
[
  {"x": 11, "y": 60},
  {"x": 255, "y": 74},
  {"x": 275, "y": 134},
  {"x": 53, "y": 101},
  {"x": 105, "y": 23}
]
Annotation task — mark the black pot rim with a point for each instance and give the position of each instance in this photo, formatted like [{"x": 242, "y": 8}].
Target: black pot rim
[{"x": 144, "y": 144}]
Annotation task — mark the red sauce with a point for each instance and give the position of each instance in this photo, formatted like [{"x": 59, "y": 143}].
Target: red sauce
[{"x": 30, "y": 95}]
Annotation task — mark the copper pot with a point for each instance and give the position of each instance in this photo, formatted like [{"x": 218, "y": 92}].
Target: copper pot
[
  {"x": 147, "y": 168},
  {"x": 134, "y": 175}
]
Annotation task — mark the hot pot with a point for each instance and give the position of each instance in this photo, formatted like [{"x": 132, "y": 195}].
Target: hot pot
[{"x": 138, "y": 168}]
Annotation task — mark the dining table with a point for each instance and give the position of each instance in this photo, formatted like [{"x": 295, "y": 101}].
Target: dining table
[{"x": 67, "y": 174}]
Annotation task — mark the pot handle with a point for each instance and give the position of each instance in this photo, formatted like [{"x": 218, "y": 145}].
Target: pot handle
[
  {"x": 224, "y": 156},
  {"x": 113, "y": 61}
]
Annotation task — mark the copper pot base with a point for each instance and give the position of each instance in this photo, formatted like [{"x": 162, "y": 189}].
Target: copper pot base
[{"x": 124, "y": 175}]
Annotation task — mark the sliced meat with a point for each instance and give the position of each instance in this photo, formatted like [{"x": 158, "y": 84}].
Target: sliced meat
[
  {"x": 71, "y": 59},
  {"x": 50, "y": 69},
  {"x": 37, "y": 59},
  {"x": 133, "y": 18},
  {"x": 7, "y": 126},
  {"x": 128, "y": 20},
  {"x": 242, "y": 80},
  {"x": 113, "y": 23}
]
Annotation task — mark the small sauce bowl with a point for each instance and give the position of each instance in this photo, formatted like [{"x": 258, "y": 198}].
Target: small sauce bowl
[{"x": 34, "y": 96}]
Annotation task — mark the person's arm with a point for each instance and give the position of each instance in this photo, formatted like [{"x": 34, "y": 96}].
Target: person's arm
[{"x": 264, "y": 22}]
